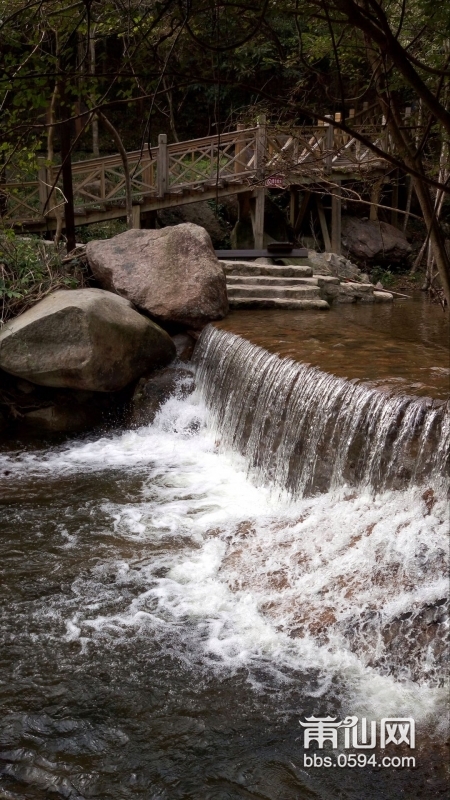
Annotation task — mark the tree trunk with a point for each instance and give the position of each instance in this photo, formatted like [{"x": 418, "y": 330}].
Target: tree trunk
[
  {"x": 408, "y": 152},
  {"x": 95, "y": 146},
  {"x": 52, "y": 200},
  {"x": 436, "y": 237},
  {"x": 126, "y": 170},
  {"x": 69, "y": 211},
  {"x": 171, "y": 114}
]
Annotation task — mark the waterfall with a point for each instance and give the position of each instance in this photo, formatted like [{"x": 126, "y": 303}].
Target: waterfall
[
  {"x": 308, "y": 431},
  {"x": 162, "y": 532}
]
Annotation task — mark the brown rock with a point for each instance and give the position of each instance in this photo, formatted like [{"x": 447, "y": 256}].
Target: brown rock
[
  {"x": 374, "y": 242},
  {"x": 414, "y": 644},
  {"x": 333, "y": 264},
  {"x": 151, "y": 393},
  {"x": 199, "y": 214},
  {"x": 84, "y": 339},
  {"x": 61, "y": 419},
  {"x": 48, "y": 410},
  {"x": 172, "y": 273},
  {"x": 184, "y": 344}
]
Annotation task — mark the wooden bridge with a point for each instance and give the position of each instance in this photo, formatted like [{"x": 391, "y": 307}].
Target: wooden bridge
[{"x": 243, "y": 162}]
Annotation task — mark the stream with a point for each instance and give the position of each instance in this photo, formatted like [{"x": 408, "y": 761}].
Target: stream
[{"x": 178, "y": 597}]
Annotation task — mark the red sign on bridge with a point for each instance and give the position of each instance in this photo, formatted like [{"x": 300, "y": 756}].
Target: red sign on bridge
[{"x": 276, "y": 182}]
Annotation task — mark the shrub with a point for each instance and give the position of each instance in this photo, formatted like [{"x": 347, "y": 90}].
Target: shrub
[
  {"x": 385, "y": 276},
  {"x": 31, "y": 268}
]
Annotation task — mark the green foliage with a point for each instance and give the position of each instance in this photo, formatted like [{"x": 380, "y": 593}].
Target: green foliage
[
  {"x": 30, "y": 269},
  {"x": 212, "y": 65},
  {"x": 382, "y": 275},
  {"x": 100, "y": 230}
]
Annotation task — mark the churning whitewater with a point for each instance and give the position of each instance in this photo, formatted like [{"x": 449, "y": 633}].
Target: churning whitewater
[{"x": 255, "y": 556}]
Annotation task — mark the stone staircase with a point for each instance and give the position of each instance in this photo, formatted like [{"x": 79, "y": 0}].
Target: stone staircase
[{"x": 255, "y": 285}]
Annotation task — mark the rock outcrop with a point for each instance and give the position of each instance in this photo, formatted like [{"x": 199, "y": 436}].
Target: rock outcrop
[
  {"x": 32, "y": 410},
  {"x": 202, "y": 214},
  {"x": 172, "y": 273},
  {"x": 84, "y": 339},
  {"x": 184, "y": 344},
  {"x": 333, "y": 264},
  {"x": 374, "y": 243},
  {"x": 152, "y": 392},
  {"x": 65, "y": 415}
]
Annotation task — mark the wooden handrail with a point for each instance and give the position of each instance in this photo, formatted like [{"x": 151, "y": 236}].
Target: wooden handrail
[{"x": 242, "y": 158}]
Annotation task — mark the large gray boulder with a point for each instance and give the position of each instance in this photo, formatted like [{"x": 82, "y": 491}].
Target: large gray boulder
[
  {"x": 172, "y": 273},
  {"x": 374, "y": 243},
  {"x": 83, "y": 339}
]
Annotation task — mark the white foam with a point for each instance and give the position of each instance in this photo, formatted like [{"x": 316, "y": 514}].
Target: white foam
[{"x": 243, "y": 573}]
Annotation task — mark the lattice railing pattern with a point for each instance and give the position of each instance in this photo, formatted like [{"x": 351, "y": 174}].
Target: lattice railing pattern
[
  {"x": 244, "y": 156},
  {"x": 229, "y": 157},
  {"x": 20, "y": 200},
  {"x": 319, "y": 149}
]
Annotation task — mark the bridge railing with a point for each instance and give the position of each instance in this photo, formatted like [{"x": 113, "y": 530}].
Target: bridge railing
[
  {"x": 316, "y": 150},
  {"x": 99, "y": 183},
  {"x": 247, "y": 155},
  {"x": 229, "y": 157}
]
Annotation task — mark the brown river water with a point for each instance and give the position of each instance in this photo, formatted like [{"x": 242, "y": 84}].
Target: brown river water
[
  {"x": 401, "y": 346},
  {"x": 176, "y": 598}
]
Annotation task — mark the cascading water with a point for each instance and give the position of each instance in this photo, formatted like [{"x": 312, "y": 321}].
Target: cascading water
[
  {"x": 308, "y": 431},
  {"x": 362, "y": 573},
  {"x": 180, "y": 594}
]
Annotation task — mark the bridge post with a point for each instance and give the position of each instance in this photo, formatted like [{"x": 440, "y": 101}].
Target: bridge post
[
  {"x": 136, "y": 216},
  {"x": 336, "y": 220},
  {"x": 338, "y": 139},
  {"x": 329, "y": 144},
  {"x": 162, "y": 166},
  {"x": 260, "y": 147},
  {"x": 257, "y": 214},
  {"x": 323, "y": 225},
  {"x": 238, "y": 148},
  {"x": 102, "y": 181},
  {"x": 293, "y": 205}
]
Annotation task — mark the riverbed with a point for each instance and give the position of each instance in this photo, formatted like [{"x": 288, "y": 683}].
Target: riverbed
[{"x": 169, "y": 617}]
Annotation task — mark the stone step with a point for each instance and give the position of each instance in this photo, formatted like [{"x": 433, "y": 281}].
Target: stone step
[
  {"x": 269, "y": 280},
  {"x": 286, "y": 292},
  {"x": 313, "y": 303},
  {"x": 250, "y": 268}
]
